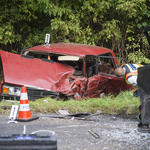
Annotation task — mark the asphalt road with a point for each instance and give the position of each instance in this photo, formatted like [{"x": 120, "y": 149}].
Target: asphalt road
[{"x": 111, "y": 132}]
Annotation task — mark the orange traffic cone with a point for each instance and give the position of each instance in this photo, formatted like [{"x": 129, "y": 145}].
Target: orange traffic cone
[{"x": 24, "y": 109}]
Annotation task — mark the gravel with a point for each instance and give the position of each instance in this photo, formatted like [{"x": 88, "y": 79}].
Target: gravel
[{"x": 114, "y": 132}]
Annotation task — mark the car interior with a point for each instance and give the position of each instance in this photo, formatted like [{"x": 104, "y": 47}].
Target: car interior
[
  {"x": 106, "y": 65},
  {"x": 100, "y": 64},
  {"x": 74, "y": 61}
]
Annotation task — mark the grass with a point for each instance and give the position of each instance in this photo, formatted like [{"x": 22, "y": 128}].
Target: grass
[{"x": 124, "y": 103}]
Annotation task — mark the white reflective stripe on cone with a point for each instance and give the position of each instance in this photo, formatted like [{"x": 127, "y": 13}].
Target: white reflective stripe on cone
[
  {"x": 24, "y": 107},
  {"x": 23, "y": 96}
]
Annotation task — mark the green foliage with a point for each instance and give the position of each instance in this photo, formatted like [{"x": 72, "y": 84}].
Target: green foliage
[
  {"x": 124, "y": 103},
  {"x": 110, "y": 30},
  {"x": 115, "y": 24},
  {"x": 5, "y": 107},
  {"x": 138, "y": 57}
]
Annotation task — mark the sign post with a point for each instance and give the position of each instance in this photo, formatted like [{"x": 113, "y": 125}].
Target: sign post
[{"x": 47, "y": 38}]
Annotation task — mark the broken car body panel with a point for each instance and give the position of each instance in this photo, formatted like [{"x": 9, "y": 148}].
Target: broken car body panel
[
  {"x": 67, "y": 69},
  {"x": 36, "y": 73},
  {"x": 96, "y": 85}
]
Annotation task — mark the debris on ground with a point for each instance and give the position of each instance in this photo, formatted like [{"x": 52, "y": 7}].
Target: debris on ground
[
  {"x": 65, "y": 114},
  {"x": 94, "y": 134},
  {"x": 5, "y": 107}
]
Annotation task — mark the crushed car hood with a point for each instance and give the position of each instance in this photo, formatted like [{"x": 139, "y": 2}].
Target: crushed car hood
[{"x": 36, "y": 73}]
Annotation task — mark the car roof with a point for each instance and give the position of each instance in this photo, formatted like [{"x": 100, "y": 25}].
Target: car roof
[{"x": 71, "y": 49}]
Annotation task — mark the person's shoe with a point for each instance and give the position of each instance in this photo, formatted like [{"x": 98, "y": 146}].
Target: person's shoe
[{"x": 143, "y": 128}]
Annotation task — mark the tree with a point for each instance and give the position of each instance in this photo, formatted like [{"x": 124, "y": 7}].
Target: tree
[{"x": 115, "y": 24}]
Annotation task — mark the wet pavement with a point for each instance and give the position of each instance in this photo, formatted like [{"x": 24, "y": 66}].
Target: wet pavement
[{"x": 111, "y": 132}]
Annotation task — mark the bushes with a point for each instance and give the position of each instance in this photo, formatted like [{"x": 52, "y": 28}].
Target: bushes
[{"x": 115, "y": 24}]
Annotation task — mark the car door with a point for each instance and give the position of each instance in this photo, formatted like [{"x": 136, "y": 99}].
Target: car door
[{"x": 101, "y": 78}]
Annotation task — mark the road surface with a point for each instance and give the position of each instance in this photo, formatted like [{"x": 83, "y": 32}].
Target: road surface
[{"x": 111, "y": 132}]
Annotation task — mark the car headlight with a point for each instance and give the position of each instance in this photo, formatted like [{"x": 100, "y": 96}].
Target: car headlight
[{"x": 11, "y": 90}]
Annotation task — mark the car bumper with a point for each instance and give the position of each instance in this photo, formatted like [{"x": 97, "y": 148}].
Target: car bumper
[{"x": 33, "y": 94}]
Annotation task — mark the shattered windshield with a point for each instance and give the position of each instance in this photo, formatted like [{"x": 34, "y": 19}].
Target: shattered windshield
[{"x": 75, "y": 61}]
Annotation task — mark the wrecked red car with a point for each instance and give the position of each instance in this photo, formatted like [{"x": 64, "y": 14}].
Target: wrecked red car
[{"x": 61, "y": 70}]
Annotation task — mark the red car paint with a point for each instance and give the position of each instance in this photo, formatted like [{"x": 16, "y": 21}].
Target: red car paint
[
  {"x": 35, "y": 72},
  {"x": 72, "y": 49},
  {"x": 58, "y": 77}
]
